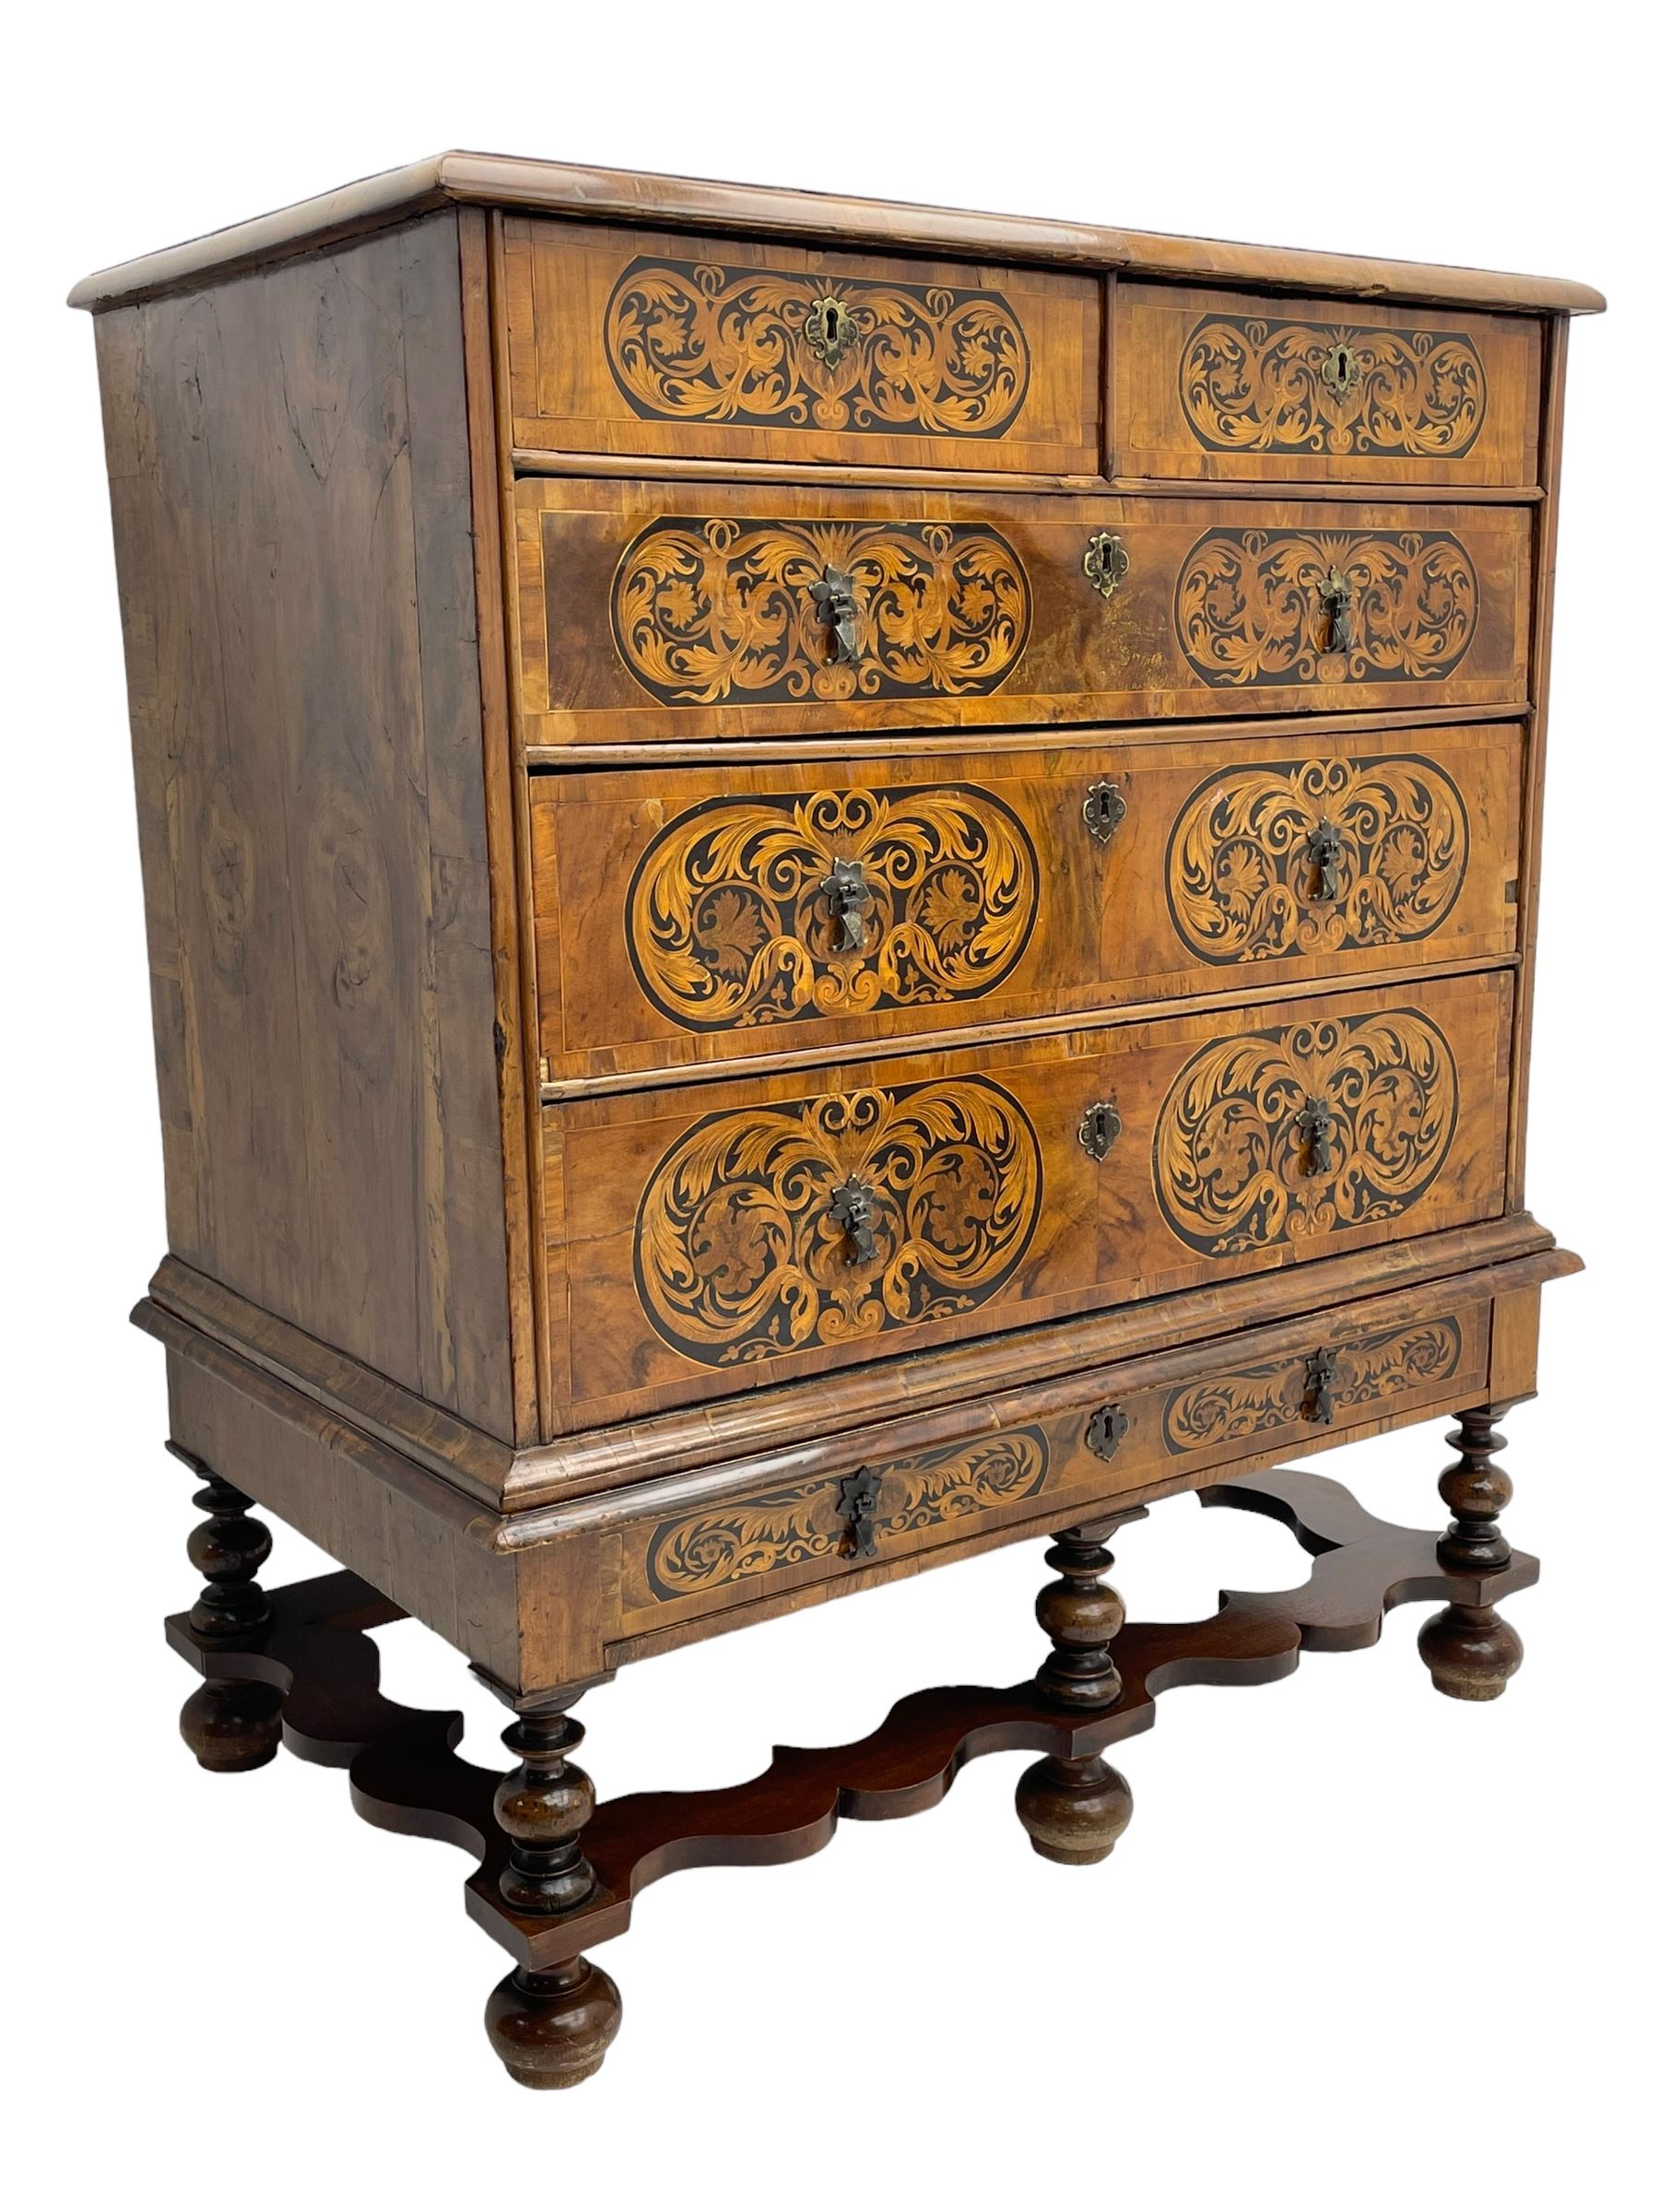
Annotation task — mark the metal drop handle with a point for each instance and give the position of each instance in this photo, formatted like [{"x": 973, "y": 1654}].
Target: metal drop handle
[
  {"x": 838, "y": 610},
  {"x": 850, "y": 899},
  {"x": 852, "y": 1208},
  {"x": 1336, "y": 597}
]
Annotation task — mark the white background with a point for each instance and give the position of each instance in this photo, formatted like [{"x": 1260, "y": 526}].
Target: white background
[{"x": 1360, "y": 1944}]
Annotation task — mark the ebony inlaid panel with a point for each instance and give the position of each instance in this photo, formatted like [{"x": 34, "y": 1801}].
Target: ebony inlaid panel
[
  {"x": 651, "y": 610},
  {"x": 641, "y": 342},
  {"x": 703, "y": 1238},
  {"x": 1229, "y": 387},
  {"x": 704, "y": 918}
]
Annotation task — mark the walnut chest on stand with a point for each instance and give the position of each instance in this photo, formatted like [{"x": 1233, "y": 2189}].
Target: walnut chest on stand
[{"x": 828, "y": 884}]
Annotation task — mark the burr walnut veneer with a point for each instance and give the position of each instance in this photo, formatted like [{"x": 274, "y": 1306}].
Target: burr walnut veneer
[{"x": 827, "y": 884}]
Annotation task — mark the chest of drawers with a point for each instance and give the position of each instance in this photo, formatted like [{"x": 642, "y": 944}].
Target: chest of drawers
[{"x": 825, "y": 885}]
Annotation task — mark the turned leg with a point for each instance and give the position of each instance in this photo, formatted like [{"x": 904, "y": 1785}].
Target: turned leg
[
  {"x": 231, "y": 1726},
  {"x": 1075, "y": 1809},
  {"x": 549, "y": 2028},
  {"x": 1471, "y": 1651}
]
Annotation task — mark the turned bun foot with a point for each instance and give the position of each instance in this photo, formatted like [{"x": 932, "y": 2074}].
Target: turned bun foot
[
  {"x": 551, "y": 2030},
  {"x": 233, "y": 1728},
  {"x": 1073, "y": 1809},
  {"x": 1470, "y": 1652}
]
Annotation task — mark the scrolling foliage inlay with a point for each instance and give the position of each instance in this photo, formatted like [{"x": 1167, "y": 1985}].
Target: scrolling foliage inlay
[
  {"x": 789, "y": 1527},
  {"x": 731, "y": 923},
  {"x": 1253, "y": 386},
  {"x": 1233, "y": 1164},
  {"x": 1366, "y": 1371},
  {"x": 709, "y": 611},
  {"x": 1254, "y": 606},
  {"x": 1243, "y": 875},
  {"x": 693, "y": 342},
  {"x": 739, "y": 1254}
]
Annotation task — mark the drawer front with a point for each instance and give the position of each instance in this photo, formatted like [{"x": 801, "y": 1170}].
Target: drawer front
[
  {"x": 703, "y": 1239},
  {"x": 1224, "y": 387},
  {"x": 678, "y": 611},
  {"x": 640, "y": 342},
  {"x": 729, "y": 912},
  {"x": 1085, "y": 1445}
]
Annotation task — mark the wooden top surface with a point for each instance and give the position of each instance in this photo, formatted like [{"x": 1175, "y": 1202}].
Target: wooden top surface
[{"x": 622, "y": 195}]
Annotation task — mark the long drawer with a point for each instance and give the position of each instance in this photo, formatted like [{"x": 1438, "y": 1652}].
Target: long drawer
[
  {"x": 1070, "y": 1447},
  {"x": 702, "y": 1239},
  {"x": 714, "y": 913},
  {"x": 651, "y": 610},
  {"x": 622, "y": 341},
  {"x": 1224, "y": 387}
]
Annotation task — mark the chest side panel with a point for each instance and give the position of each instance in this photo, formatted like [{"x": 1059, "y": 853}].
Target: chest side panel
[{"x": 290, "y": 480}]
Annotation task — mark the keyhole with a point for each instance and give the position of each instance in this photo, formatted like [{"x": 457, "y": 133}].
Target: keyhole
[{"x": 831, "y": 324}]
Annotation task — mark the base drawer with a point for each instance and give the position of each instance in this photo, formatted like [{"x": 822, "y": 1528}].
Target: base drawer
[
  {"x": 1286, "y": 1390},
  {"x": 714, "y": 913},
  {"x": 651, "y": 610},
  {"x": 703, "y": 1239}
]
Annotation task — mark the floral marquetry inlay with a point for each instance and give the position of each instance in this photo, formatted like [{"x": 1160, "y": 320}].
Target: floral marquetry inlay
[
  {"x": 692, "y": 342},
  {"x": 1253, "y": 386},
  {"x": 1309, "y": 856},
  {"x": 807, "y": 1522},
  {"x": 742, "y": 1249},
  {"x": 734, "y": 921},
  {"x": 1292, "y": 606},
  {"x": 1366, "y": 1371},
  {"x": 709, "y": 611},
  {"x": 1288, "y": 1134}
]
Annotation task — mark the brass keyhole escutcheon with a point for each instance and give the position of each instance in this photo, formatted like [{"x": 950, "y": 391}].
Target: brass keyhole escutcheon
[
  {"x": 1340, "y": 369},
  {"x": 1100, "y": 1127},
  {"x": 828, "y": 328},
  {"x": 1105, "y": 807},
  {"x": 1105, "y": 562}
]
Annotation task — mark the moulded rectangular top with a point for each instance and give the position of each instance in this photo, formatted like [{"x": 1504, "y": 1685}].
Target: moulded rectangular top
[{"x": 626, "y": 195}]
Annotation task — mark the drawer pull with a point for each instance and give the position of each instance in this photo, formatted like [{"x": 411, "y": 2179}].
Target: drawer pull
[
  {"x": 1105, "y": 562},
  {"x": 1336, "y": 597},
  {"x": 1324, "y": 849},
  {"x": 853, "y": 1205},
  {"x": 1108, "y": 1426},
  {"x": 850, "y": 900},
  {"x": 1105, "y": 807},
  {"x": 859, "y": 1493},
  {"x": 1321, "y": 1374},
  {"x": 837, "y": 610},
  {"x": 1313, "y": 1126},
  {"x": 1100, "y": 1127}
]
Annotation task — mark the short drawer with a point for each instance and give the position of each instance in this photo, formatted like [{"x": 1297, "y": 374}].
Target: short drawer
[
  {"x": 715, "y": 913},
  {"x": 650, "y": 610},
  {"x": 1226, "y": 387},
  {"x": 634, "y": 342},
  {"x": 707, "y": 1238},
  {"x": 1038, "y": 1455}
]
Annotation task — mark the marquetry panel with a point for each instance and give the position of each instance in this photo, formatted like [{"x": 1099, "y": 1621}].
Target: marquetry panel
[
  {"x": 697, "y": 915},
  {"x": 706, "y": 1237},
  {"x": 624, "y": 341},
  {"x": 651, "y": 610},
  {"x": 1231, "y": 387},
  {"x": 1335, "y": 1382},
  {"x": 707, "y": 1550}
]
